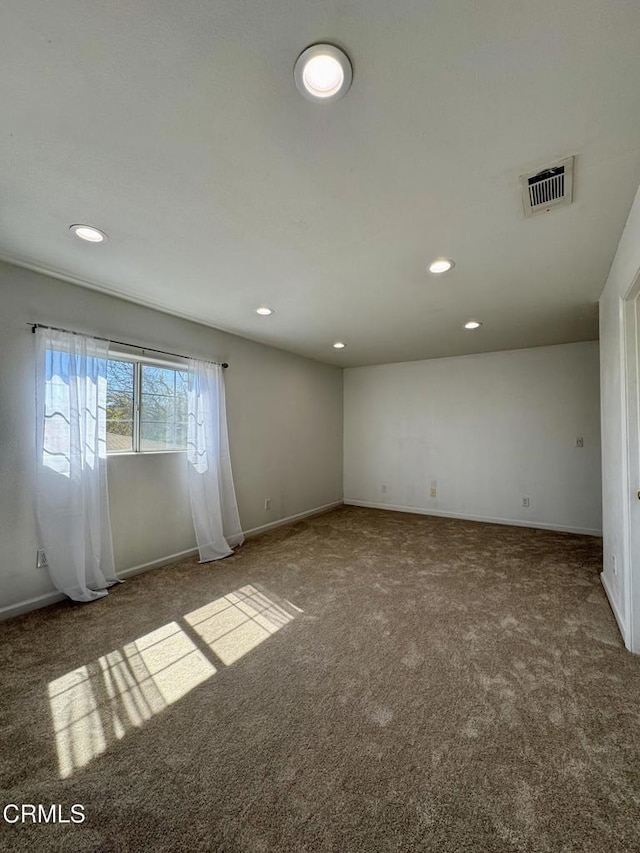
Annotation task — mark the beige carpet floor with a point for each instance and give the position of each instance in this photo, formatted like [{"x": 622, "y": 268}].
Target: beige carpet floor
[{"x": 360, "y": 681}]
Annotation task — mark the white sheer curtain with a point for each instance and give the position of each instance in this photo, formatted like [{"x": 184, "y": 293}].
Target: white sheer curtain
[
  {"x": 72, "y": 508},
  {"x": 213, "y": 498}
]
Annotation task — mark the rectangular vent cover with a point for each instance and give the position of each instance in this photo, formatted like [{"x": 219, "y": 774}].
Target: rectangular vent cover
[{"x": 552, "y": 187}]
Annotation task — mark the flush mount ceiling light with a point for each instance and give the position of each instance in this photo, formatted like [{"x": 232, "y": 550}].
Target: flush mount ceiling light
[
  {"x": 88, "y": 233},
  {"x": 441, "y": 265},
  {"x": 264, "y": 312},
  {"x": 339, "y": 345},
  {"x": 472, "y": 324},
  {"x": 323, "y": 73}
]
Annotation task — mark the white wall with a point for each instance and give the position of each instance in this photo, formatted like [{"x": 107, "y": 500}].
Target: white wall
[
  {"x": 488, "y": 428},
  {"x": 285, "y": 429},
  {"x": 615, "y": 495}
]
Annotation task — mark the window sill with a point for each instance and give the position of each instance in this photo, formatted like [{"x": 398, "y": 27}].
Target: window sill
[{"x": 122, "y": 453}]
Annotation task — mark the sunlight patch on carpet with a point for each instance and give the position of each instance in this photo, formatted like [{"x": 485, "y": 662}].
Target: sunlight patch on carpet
[
  {"x": 96, "y": 704},
  {"x": 233, "y": 625}
]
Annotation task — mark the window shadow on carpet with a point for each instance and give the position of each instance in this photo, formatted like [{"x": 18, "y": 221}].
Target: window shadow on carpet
[{"x": 98, "y": 703}]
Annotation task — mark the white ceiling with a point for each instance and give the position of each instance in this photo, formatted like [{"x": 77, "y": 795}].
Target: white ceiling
[{"x": 176, "y": 128}]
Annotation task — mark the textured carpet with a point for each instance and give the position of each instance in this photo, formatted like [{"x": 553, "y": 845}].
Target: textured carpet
[{"x": 360, "y": 681}]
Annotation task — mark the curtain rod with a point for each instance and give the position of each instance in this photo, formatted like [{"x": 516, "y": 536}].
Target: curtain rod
[{"x": 35, "y": 326}]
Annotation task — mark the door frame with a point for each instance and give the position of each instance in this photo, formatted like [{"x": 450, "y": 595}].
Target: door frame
[{"x": 630, "y": 391}]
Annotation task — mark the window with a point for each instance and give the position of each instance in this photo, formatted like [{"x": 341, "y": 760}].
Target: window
[
  {"x": 120, "y": 405},
  {"x": 146, "y": 406},
  {"x": 163, "y": 408}
]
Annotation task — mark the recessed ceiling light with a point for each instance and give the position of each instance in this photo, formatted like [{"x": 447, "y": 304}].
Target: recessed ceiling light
[
  {"x": 323, "y": 73},
  {"x": 339, "y": 345},
  {"x": 441, "y": 265},
  {"x": 88, "y": 233},
  {"x": 472, "y": 324},
  {"x": 264, "y": 312}
]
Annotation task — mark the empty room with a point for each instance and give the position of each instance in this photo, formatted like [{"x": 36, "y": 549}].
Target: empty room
[{"x": 320, "y": 426}]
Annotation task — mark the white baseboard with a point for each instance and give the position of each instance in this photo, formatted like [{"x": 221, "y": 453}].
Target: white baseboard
[
  {"x": 513, "y": 522},
  {"x": 157, "y": 564},
  {"x": 30, "y": 604},
  {"x": 53, "y": 597},
  {"x": 622, "y": 625},
  {"x": 264, "y": 528}
]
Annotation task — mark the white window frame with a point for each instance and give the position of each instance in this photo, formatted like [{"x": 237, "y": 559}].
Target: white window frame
[{"x": 139, "y": 360}]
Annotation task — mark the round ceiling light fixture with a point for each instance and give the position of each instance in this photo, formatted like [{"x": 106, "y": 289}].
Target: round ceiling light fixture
[
  {"x": 441, "y": 265},
  {"x": 472, "y": 324},
  {"x": 339, "y": 345},
  {"x": 88, "y": 233},
  {"x": 323, "y": 73},
  {"x": 264, "y": 311}
]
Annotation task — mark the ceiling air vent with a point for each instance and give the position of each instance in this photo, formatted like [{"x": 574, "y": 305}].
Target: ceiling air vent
[{"x": 552, "y": 187}]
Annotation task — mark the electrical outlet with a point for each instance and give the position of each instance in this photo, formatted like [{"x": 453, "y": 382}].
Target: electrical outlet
[
  {"x": 579, "y": 441},
  {"x": 383, "y": 488},
  {"x": 267, "y": 503},
  {"x": 433, "y": 491},
  {"x": 526, "y": 502},
  {"x": 41, "y": 559}
]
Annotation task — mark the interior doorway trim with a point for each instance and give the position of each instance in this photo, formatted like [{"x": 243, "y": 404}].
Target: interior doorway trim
[{"x": 630, "y": 391}]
